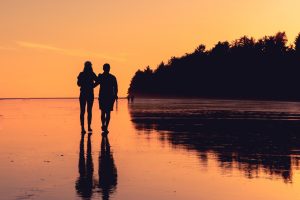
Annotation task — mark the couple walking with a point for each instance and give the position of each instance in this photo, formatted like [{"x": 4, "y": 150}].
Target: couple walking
[{"x": 108, "y": 94}]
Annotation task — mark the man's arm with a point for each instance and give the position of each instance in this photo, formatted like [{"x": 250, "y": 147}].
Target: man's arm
[
  {"x": 97, "y": 81},
  {"x": 116, "y": 88}
]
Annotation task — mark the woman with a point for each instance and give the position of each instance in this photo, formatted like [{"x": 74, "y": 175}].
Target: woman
[{"x": 85, "y": 81}]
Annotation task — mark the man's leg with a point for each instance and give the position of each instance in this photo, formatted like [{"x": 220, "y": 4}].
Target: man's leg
[
  {"x": 103, "y": 119},
  {"x": 107, "y": 119}
]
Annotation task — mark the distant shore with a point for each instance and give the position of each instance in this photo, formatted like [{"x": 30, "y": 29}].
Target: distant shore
[
  {"x": 45, "y": 98},
  {"x": 215, "y": 98},
  {"x": 161, "y": 97},
  {"x": 247, "y": 68}
]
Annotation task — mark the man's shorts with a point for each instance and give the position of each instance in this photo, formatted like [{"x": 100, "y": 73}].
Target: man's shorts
[{"x": 106, "y": 104}]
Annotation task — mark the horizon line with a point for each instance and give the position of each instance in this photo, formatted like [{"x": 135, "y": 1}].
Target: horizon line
[{"x": 12, "y": 98}]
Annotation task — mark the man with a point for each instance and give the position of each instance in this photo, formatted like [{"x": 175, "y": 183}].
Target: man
[{"x": 108, "y": 93}]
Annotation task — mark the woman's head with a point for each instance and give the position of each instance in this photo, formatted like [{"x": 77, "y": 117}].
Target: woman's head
[{"x": 88, "y": 67}]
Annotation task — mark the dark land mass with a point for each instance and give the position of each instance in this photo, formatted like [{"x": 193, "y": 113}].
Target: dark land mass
[{"x": 267, "y": 68}]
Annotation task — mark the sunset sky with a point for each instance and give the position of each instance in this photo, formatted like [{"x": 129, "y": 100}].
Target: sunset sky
[{"x": 44, "y": 43}]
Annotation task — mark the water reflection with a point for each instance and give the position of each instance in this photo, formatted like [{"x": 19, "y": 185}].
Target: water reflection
[
  {"x": 86, "y": 185},
  {"x": 85, "y": 182},
  {"x": 107, "y": 170},
  {"x": 254, "y": 142}
]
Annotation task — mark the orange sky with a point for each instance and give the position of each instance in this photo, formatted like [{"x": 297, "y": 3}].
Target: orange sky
[{"x": 43, "y": 43}]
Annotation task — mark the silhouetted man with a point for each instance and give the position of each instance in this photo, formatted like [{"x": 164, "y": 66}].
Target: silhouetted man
[
  {"x": 108, "y": 93},
  {"x": 108, "y": 175}
]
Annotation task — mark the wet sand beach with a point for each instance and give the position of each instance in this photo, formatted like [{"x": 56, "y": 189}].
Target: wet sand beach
[{"x": 156, "y": 149}]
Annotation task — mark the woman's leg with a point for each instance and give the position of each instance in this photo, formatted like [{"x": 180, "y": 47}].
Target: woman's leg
[
  {"x": 89, "y": 111},
  {"x": 82, "y": 102}
]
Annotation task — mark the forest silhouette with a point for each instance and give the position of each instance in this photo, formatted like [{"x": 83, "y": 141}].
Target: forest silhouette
[{"x": 267, "y": 68}]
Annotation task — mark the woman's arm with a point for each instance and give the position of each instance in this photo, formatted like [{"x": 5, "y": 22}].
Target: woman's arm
[{"x": 79, "y": 80}]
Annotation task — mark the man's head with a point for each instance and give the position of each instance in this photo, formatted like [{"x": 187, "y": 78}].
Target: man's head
[{"x": 106, "y": 68}]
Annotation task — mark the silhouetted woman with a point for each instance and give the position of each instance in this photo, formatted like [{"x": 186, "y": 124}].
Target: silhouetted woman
[
  {"x": 85, "y": 182},
  {"x": 86, "y": 80}
]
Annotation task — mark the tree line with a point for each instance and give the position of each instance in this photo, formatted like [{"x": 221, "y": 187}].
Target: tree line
[{"x": 267, "y": 68}]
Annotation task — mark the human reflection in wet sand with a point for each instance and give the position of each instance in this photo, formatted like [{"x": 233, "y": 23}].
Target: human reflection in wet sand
[
  {"x": 108, "y": 176},
  {"x": 85, "y": 183}
]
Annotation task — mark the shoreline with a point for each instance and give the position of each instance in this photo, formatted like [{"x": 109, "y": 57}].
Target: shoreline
[{"x": 158, "y": 98}]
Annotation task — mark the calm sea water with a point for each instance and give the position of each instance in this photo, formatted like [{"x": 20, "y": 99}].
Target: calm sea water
[{"x": 156, "y": 149}]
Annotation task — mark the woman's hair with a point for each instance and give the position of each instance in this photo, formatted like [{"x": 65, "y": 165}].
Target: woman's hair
[{"x": 88, "y": 67}]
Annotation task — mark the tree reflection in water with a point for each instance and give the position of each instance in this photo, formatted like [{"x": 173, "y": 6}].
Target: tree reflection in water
[{"x": 249, "y": 141}]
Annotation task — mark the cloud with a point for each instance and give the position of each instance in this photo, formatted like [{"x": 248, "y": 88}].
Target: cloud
[
  {"x": 69, "y": 52},
  {"x": 7, "y": 48}
]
